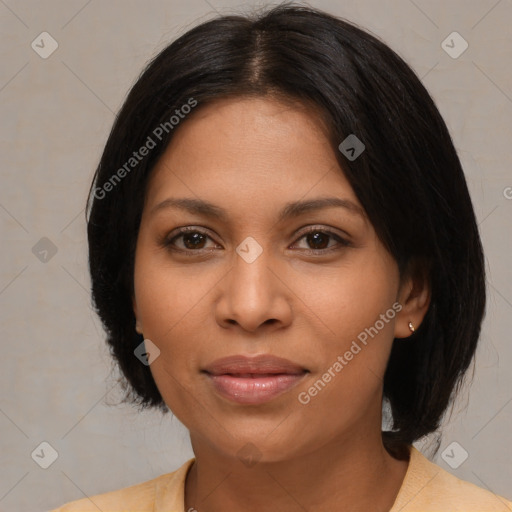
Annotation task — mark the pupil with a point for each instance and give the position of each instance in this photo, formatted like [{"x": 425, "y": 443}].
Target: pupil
[
  {"x": 318, "y": 240},
  {"x": 193, "y": 240}
]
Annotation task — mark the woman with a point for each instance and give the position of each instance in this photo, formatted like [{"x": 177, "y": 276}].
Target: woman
[{"x": 281, "y": 237}]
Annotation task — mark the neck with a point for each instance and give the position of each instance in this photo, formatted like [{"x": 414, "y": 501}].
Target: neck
[{"x": 355, "y": 473}]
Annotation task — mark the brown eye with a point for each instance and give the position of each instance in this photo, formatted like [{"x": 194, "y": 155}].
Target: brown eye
[
  {"x": 189, "y": 240},
  {"x": 318, "y": 240},
  {"x": 321, "y": 241},
  {"x": 193, "y": 240}
]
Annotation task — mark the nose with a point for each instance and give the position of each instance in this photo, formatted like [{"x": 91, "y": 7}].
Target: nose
[{"x": 254, "y": 296}]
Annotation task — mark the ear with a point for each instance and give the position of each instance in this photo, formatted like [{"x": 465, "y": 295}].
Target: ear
[
  {"x": 414, "y": 296},
  {"x": 138, "y": 323}
]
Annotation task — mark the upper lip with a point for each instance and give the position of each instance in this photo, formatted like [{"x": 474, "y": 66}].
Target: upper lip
[{"x": 261, "y": 364}]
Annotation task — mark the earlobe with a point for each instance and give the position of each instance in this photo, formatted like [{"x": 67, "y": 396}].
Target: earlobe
[
  {"x": 414, "y": 296},
  {"x": 138, "y": 324}
]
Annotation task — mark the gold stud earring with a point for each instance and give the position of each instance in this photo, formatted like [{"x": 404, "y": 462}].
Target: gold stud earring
[{"x": 411, "y": 327}]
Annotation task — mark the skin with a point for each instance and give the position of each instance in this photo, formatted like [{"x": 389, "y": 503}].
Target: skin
[{"x": 251, "y": 156}]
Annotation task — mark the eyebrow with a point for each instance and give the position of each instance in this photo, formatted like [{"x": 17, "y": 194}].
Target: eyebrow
[{"x": 293, "y": 209}]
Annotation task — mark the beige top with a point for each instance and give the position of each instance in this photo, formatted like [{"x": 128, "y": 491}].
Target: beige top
[{"x": 426, "y": 488}]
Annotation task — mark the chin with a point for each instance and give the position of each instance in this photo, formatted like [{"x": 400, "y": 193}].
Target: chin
[{"x": 264, "y": 445}]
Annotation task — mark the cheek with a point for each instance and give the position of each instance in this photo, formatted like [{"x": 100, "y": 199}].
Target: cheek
[
  {"x": 355, "y": 302},
  {"x": 172, "y": 305},
  {"x": 345, "y": 299},
  {"x": 166, "y": 294},
  {"x": 169, "y": 309},
  {"x": 161, "y": 308}
]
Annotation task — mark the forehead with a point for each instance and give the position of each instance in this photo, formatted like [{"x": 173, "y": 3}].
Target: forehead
[{"x": 260, "y": 150}]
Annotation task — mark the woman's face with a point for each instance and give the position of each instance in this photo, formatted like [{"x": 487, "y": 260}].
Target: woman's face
[{"x": 277, "y": 260}]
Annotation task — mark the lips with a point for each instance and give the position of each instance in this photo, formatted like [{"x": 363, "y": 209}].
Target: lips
[
  {"x": 253, "y": 380},
  {"x": 255, "y": 365}
]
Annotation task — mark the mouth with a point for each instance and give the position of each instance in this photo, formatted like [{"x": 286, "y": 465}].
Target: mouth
[{"x": 253, "y": 380}]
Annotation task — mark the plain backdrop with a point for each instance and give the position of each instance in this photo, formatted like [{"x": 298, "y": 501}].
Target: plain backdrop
[{"x": 56, "y": 380}]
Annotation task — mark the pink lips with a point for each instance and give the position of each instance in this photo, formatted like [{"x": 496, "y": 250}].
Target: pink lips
[{"x": 253, "y": 380}]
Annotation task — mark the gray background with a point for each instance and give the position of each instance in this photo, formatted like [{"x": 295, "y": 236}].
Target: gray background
[{"x": 56, "y": 383}]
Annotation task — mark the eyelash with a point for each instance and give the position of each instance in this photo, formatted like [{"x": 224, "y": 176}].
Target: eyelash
[{"x": 168, "y": 242}]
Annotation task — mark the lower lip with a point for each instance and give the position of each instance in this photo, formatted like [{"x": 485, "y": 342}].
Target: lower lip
[{"x": 258, "y": 390}]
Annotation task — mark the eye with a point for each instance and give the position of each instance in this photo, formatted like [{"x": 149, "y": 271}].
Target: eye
[
  {"x": 189, "y": 239},
  {"x": 321, "y": 241}
]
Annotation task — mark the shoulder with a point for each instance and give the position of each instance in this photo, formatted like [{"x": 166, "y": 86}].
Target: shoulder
[
  {"x": 427, "y": 488},
  {"x": 143, "y": 497}
]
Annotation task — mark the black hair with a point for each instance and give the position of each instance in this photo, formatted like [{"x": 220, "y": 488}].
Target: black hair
[{"x": 409, "y": 180}]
